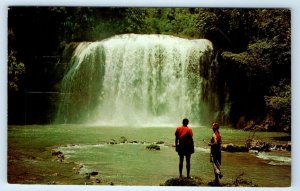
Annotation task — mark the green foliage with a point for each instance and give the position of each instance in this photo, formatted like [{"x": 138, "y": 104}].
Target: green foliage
[
  {"x": 279, "y": 104},
  {"x": 255, "y": 61},
  {"x": 227, "y": 28},
  {"x": 256, "y": 50},
  {"x": 134, "y": 20},
  {"x": 175, "y": 21},
  {"x": 87, "y": 23},
  {"x": 15, "y": 71}
]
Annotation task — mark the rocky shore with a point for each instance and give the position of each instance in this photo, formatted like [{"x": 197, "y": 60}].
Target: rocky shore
[{"x": 256, "y": 145}]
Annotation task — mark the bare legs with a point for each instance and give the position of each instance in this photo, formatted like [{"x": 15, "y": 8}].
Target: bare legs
[
  {"x": 217, "y": 180},
  {"x": 181, "y": 157},
  {"x": 188, "y": 165},
  {"x": 217, "y": 171}
]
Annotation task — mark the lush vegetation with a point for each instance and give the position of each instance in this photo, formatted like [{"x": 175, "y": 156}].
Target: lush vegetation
[{"x": 252, "y": 47}]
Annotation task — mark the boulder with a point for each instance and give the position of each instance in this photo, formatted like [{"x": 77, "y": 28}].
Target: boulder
[
  {"x": 256, "y": 144},
  {"x": 112, "y": 142},
  {"x": 183, "y": 182},
  {"x": 55, "y": 153},
  {"x": 94, "y": 173},
  {"x": 123, "y": 139},
  {"x": 153, "y": 147},
  {"x": 234, "y": 148}
]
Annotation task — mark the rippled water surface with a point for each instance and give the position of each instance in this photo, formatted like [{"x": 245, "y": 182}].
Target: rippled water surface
[
  {"x": 130, "y": 163},
  {"x": 133, "y": 164}
]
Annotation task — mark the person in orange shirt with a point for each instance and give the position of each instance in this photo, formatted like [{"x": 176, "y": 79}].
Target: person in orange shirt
[
  {"x": 184, "y": 146},
  {"x": 215, "y": 152}
]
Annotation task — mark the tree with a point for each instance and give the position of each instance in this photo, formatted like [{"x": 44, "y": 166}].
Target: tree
[
  {"x": 278, "y": 104},
  {"x": 255, "y": 55},
  {"x": 175, "y": 21}
]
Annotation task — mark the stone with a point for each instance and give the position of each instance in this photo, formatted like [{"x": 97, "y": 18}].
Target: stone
[
  {"x": 234, "y": 148},
  {"x": 94, "y": 173},
  {"x": 183, "y": 182},
  {"x": 153, "y": 147}
]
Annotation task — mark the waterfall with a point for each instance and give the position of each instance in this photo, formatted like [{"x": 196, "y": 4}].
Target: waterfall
[{"x": 135, "y": 80}]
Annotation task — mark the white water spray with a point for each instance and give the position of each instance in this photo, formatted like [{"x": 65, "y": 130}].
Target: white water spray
[{"x": 139, "y": 80}]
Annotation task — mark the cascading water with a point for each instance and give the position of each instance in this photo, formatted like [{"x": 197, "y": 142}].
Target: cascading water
[{"x": 139, "y": 80}]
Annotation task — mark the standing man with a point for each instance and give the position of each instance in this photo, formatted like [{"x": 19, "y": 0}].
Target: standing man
[{"x": 184, "y": 146}]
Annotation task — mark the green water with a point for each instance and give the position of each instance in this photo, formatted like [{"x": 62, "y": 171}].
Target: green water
[{"x": 132, "y": 164}]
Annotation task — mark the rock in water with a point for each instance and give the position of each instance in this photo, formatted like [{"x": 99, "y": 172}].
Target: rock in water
[
  {"x": 94, "y": 173},
  {"x": 153, "y": 147},
  {"x": 183, "y": 182}
]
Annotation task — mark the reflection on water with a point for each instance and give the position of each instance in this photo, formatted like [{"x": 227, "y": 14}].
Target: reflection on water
[{"x": 132, "y": 164}]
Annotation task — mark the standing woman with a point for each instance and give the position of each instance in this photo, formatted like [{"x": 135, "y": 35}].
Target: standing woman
[{"x": 215, "y": 152}]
